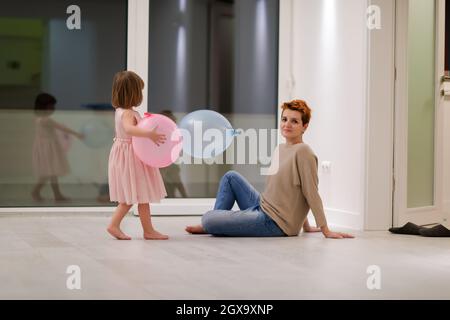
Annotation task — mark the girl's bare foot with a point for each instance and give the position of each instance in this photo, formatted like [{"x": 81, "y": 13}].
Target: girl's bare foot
[
  {"x": 36, "y": 196},
  {"x": 155, "y": 235},
  {"x": 118, "y": 234},
  {"x": 198, "y": 229}
]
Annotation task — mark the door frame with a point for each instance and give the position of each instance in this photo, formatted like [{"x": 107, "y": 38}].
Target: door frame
[{"x": 428, "y": 214}]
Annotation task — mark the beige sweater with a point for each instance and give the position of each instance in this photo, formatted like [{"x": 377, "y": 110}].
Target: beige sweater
[{"x": 293, "y": 190}]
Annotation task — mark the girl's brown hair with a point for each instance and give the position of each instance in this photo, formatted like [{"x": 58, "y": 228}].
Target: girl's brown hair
[
  {"x": 44, "y": 104},
  {"x": 127, "y": 90},
  {"x": 301, "y": 106}
]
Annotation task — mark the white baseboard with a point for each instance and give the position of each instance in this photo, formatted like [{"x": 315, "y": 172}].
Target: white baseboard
[
  {"x": 343, "y": 219},
  {"x": 181, "y": 207}
]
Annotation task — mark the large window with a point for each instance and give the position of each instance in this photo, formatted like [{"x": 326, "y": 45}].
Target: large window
[
  {"x": 220, "y": 55},
  {"x": 58, "y": 59}
]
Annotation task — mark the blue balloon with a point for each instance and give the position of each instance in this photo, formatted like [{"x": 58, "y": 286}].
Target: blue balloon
[
  {"x": 97, "y": 133},
  {"x": 206, "y": 134}
]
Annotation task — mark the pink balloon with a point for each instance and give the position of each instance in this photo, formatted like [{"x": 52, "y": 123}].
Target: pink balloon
[{"x": 166, "y": 153}]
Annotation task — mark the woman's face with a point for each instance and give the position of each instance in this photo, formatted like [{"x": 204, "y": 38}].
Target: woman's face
[{"x": 291, "y": 124}]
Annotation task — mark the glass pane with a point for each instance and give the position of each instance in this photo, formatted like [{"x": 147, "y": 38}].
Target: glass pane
[
  {"x": 221, "y": 56},
  {"x": 55, "y": 84},
  {"x": 421, "y": 103}
]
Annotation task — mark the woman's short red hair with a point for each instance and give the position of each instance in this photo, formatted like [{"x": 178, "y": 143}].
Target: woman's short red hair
[{"x": 300, "y": 106}]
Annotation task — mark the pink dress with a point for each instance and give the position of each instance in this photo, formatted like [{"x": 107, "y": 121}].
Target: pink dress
[
  {"x": 49, "y": 156},
  {"x": 130, "y": 180}
]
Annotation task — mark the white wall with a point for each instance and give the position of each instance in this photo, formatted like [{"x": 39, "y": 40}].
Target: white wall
[{"x": 325, "y": 56}]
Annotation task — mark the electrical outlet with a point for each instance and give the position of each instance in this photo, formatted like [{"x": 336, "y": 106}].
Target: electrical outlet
[{"x": 326, "y": 166}]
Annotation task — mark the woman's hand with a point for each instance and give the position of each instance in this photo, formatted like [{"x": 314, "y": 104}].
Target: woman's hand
[
  {"x": 335, "y": 235},
  {"x": 338, "y": 235},
  {"x": 156, "y": 137}
]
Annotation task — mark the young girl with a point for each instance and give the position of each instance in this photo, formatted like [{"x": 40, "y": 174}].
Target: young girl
[
  {"x": 49, "y": 156},
  {"x": 130, "y": 180}
]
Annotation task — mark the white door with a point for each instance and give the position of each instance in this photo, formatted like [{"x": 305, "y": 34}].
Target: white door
[{"x": 420, "y": 114}]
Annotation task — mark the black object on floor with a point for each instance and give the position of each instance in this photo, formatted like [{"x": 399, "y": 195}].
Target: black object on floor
[
  {"x": 409, "y": 228},
  {"x": 437, "y": 231}
]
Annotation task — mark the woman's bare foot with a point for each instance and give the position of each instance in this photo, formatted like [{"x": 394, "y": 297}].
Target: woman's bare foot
[
  {"x": 118, "y": 234},
  {"x": 198, "y": 229},
  {"x": 155, "y": 235}
]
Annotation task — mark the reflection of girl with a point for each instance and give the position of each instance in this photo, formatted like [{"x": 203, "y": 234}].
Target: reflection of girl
[{"x": 49, "y": 158}]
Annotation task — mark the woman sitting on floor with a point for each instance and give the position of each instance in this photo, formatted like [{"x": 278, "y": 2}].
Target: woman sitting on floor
[{"x": 282, "y": 209}]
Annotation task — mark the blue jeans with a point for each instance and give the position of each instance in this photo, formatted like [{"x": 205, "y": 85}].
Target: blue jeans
[{"x": 249, "y": 221}]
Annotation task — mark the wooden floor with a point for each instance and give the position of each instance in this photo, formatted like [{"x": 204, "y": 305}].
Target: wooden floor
[{"x": 36, "y": 251}]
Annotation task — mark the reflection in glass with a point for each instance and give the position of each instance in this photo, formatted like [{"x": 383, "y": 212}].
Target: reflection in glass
[
  {"x": 51, "y": 143},
  {"x": 43, "y": 163},
  {"x": 216, "y": 55},
  {"x": 171, "y": 174}
]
